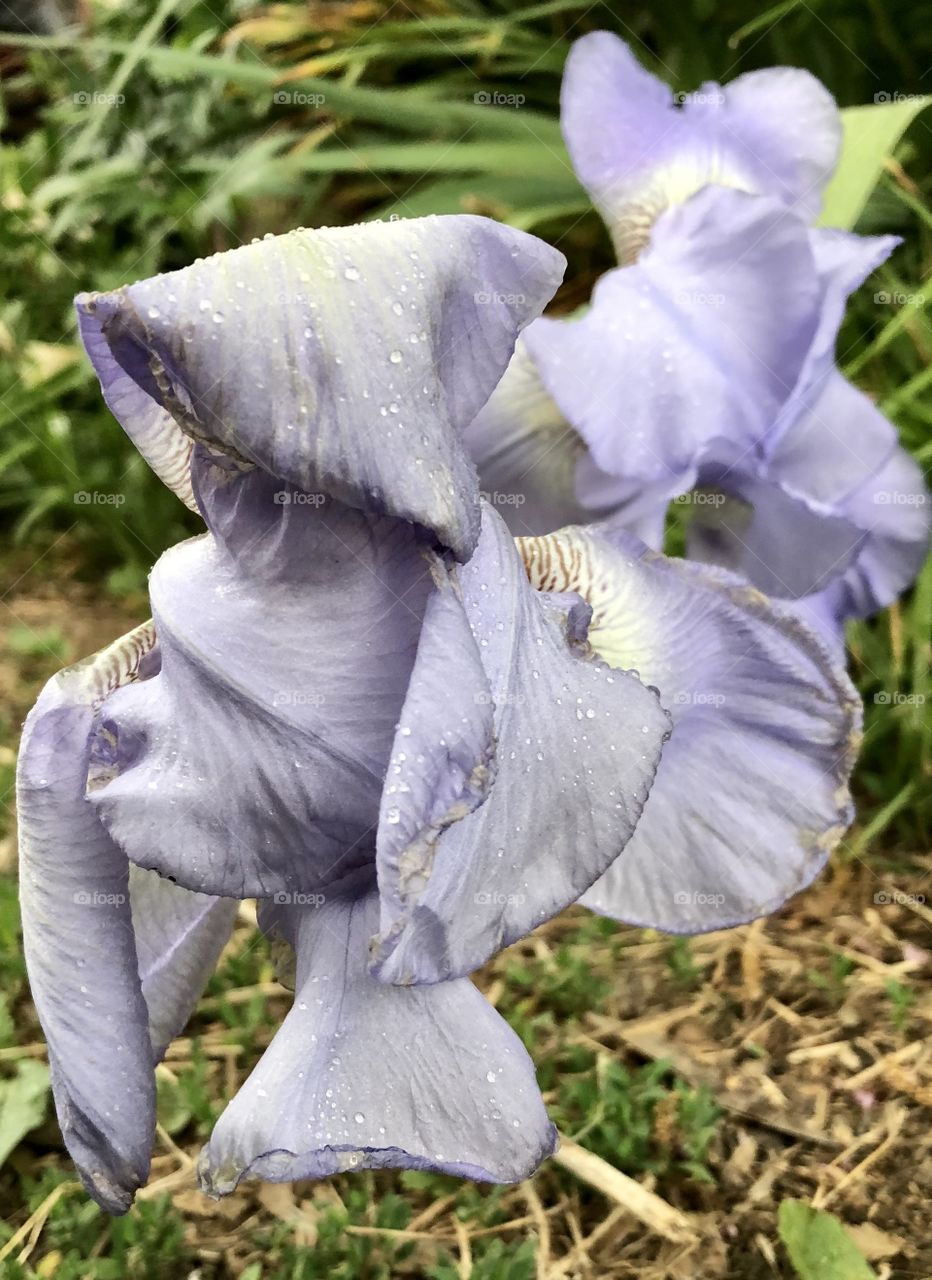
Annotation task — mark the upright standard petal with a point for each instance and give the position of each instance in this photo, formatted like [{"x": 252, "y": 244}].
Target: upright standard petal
[
  {"x": 576, "y": 750},
  {"x": 78, "y": 935},
  {"x": 639, "y": 148},
  {"x": 366, "y": 1076},
  {"x": 333, "y": 359},
  {"x": 752, "y": 790},
  {"x": 253, "y": 763},
  {"x": 179, "y": 937},
  {"x": 695, "y": 347},
  {"x": 842, "y": 263}
]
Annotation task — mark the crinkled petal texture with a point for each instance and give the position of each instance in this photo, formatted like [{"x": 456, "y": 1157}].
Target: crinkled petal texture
[
  {"x": 842, "y": 262},
  {"x": 802, "y": 454},
  {"x": 696, "y": 346},
  {"x": 253, "y": 763},
  {"x": 374, "y": 345},
  {"x": 638, "y": 148},
  {"x": 844, "y": 454},
  {"x": 78, "y": 939},
  {"x": 366, "y": 1076},
  {"x": 838, "y": 511},
  {"x": 179, "y": 937},
  {"x": 752, "y": 789},
  {"x": 465, "y": 871}
]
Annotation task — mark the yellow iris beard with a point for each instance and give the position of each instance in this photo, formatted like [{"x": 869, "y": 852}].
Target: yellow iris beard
[{"x": 620, "y": 632}]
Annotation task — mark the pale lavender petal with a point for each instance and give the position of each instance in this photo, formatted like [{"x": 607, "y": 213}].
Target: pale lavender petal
[
  {"x": 751, "y": 794},
  {"x": 782, "y": 543},
  {"x": 366, "y": 1076},
  {"x": 253, "y": 762},
  {"x": 526, "y": 453},
  {"x": 179, "y": 937},
  {"x": 639, "y": 148},
  {"x": 842, "y": 262},
  {"x": 149, "y": 425},
  {"x": 894, "y": 509},
  {"x": 332, "y": 358},
  {"x": 837, "y": 507},
  {"x": 693, "y": 349},
  {"x": 78, "y": 936},
  {"x": 427, "y": 791},
  {"x": 576, "y": 749}
]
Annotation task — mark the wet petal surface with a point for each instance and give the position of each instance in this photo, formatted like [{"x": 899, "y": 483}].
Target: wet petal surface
[
  {"x": 344, "y": 360},
  {"x": 576, "y": 748},
  {"x": 751, "y": 794},
  {"x": 367, "y": 1076},
  {"x": 78, "y": 936},
  {"x": 253, "y": 762}
]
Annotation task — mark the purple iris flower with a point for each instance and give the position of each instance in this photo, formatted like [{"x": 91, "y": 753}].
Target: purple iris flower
[
  {"x": 706, "y": 361},
  {"x": 362, "y": 702}
]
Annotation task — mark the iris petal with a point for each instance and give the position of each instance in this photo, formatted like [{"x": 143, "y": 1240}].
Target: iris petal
[
  {"x": 775, "y": 132},
  {"x": 783, "y": 544},
  {"x": 840, "y": 510},
  {"x": 845, "y": 452},
  {"x": 526, "y": 452},
  {"x": 366, "y": 1076},
  {"x": 253, "y": 763},
  {"x": 179, "y": 937},
  {"x": 842, "y": 263},
  {"x": 331, "y": 358},
  {"x": 78, "y": 936},
  {"x": 700, "y": 342},
  {"x": 577, "y": 747},
  {"x": 149, "y": 425},
  {"x": 752, "y": 790}
]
